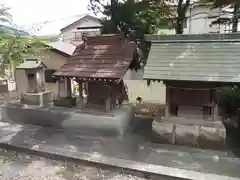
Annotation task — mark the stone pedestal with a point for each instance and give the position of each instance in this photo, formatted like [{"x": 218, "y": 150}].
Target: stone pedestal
[
  {"x": 198, "y": 136},
  {"x": 211, "y": 138},
  {"x": 163, "y": 133},
  {"x": 65, "y": 102},
  {"x": 65, "y": 98},
  {"x": 38, "y": 99}
]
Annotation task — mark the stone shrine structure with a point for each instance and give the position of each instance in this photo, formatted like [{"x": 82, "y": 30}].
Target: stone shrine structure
[
  {"x": 35, "y": 94},
  {"x": 98, "y": 65},
  {"x": 193, "y": 68}
]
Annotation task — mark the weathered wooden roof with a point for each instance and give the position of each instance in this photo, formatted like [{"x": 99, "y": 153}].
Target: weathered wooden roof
[
  {"x": 101, "y": 57},
  {"x": 210, "y": 58}
]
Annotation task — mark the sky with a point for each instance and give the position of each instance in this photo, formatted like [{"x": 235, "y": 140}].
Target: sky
[{"x": 36, "y": 15}]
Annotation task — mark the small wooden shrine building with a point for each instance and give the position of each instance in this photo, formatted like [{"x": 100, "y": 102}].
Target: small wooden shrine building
[
  {"x": 98, "y": 65},
  {"x": 193, "y": 68}
]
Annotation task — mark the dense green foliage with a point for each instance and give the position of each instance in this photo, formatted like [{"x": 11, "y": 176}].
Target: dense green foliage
[
  {"x": 14, "y": 47},
  {"x": 230, "y": 100}
]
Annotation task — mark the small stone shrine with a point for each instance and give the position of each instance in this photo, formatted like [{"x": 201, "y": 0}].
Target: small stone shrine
[{"x": 36, "y": 93}]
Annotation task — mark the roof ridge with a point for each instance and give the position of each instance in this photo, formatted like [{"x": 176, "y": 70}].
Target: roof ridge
[{"x": 193, "y": 37}]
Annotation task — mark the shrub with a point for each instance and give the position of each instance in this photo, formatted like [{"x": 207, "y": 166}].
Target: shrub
[{"x": 230, "y": 100}]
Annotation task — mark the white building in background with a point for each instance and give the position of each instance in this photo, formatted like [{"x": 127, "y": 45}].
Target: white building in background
[
  {"x": 202, "y": 19},
  {"x": 86, "y": 25}
]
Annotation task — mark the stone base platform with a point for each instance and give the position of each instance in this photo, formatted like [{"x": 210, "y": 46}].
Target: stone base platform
[
  {"x": 198, "y": 136},
  {"x": 71, "y": 119},
  {"x": 65, "y": 102},
  {"x": 38, "y": 99}
]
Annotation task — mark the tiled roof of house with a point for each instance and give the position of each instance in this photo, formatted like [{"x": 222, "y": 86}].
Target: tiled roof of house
[
  {"x": 105, "y": 56},
  {"x": 64, "y": 47},
  {"x": 210, "y": 58}
]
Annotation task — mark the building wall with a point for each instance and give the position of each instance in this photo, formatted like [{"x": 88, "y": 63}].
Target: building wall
[
  {"x": 68, "y": 34},
  {"x": 198, "y": 21},
  {"x": 53, "y": 61},
  {"x": 154, "y": 93}
]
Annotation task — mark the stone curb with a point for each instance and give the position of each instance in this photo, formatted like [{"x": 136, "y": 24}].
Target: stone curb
[{"x": 149, "y": 169}]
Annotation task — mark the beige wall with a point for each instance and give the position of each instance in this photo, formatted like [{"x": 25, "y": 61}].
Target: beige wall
[
  {"x": 155, "y": 93},
  {"x": 53, "y": 61}
]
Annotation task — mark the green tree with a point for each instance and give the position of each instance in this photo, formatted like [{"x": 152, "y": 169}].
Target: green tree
[
  {"x": 4, "y": 13},
  {"x": 14, "y": 47},
  {"x": 182, "y": 7},
  {"x": 133, "y": 18}
]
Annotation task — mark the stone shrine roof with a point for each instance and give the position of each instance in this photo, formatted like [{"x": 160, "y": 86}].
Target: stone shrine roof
[{"x": 31, "y": 64}]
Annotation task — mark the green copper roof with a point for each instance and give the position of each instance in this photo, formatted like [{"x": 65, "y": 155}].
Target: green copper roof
[{"x": 209, "y": 58}]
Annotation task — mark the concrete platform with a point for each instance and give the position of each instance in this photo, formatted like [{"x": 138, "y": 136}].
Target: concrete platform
[
  {"x": 130, "y": 152},
  {"x": 116, "y": 122}
]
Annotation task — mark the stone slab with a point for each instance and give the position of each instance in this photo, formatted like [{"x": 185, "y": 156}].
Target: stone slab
[
  {"x": 212, "y": 138},
  {"x": 67, "y": 118},
  {"x": 187, "y": 135},
  {"x": 190, "y": 135},
  {"x": 163, "y": 132},
  {"x": 65, "y": 102}
]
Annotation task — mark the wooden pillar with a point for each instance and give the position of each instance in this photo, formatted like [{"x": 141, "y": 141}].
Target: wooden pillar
[
  {"x": 108, "y": 105},
  {"x": 59, "y": 87},
  {"x": 167, "y": 102},
  {"x": 80, "y": 98},
  {"x": 62, "y": 88},
  {"x": 214, "y": 111},
  {"x": 68, "y": 87}
]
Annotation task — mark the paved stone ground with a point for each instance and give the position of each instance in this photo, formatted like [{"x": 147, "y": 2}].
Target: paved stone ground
[
  {"x": 130, "y": 147},
  {"x": 19, "y": 166}
]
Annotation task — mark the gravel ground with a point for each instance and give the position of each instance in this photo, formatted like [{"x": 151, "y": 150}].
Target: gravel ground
[{"x": 19, "y": 166}]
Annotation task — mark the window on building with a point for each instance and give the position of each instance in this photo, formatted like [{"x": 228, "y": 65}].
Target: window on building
[
  {"x": 76, "y": 35},
  {"x": 49, "y": 76}
]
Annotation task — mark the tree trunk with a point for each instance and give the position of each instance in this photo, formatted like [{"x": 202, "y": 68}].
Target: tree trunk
[
  {"x": 113, "y": 15},
  {"x": 179, "y": 26},
  {"x": 12, "y": 70},
  {"x": 181, "y": 15},
  {"x": 235, "y": 18}
]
